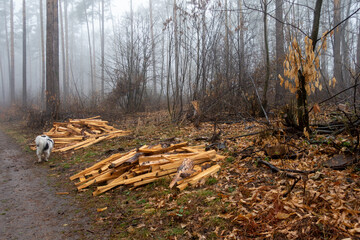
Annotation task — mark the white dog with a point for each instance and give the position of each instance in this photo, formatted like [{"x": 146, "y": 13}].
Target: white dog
[{"x": 44, "y": 145}]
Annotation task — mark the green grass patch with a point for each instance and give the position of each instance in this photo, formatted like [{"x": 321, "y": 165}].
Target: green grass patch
[
  {"x": 211, "y": 181},
  {"x": 175, "y": 232}
]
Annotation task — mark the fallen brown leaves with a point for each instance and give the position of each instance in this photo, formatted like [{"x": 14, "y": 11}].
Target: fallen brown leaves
[{"x": 323, "y": 204}]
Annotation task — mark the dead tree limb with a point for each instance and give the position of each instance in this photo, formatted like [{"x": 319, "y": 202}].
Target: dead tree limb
[
  {"x": 276, "y": 169},
  {"x": 344, "y": 90}
]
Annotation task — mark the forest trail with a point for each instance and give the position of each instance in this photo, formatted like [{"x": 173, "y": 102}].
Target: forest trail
[{"x": 29, "y": 206}]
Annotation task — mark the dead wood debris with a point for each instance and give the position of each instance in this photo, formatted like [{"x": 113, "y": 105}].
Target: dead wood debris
[
  {"x": 145, "y": 165},
  {"x": 80, "y": 133}
]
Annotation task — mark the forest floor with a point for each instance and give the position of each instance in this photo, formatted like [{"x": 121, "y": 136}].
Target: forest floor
[
  {"x": 29, "y": 205},
  {"x": 244, "y": 200}
]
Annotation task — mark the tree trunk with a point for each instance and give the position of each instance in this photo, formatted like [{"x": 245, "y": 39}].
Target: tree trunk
[
  {"x": 2, "y": 82},
  {"x": 280, "y": 54},
  {"x": 12, "y": 53},
  {"x": 301, "y": 94},
  {"x": 24, "y": 93},
  {"x": 153, "y": 48},
  {"x": 358, "y": 53},
  {"x": 52, "y": 60},
  {"x": 67, "y": 71},
  {"x": 240, "y": 45},
  {"x": 337, "y": 40},
  {"x": 267, "y": 57},
  {"x": 90, "y": 53},
  {"x": 43, "y": 74},
  {"x": 227, "y": 45},
  {"x": 65, "y": 82},
  {"x": 345, "y": 48},
  {"x": 176, "y": 112},
  {"x": 102, "y": 49},
  {"x": 93, "y": 54}
]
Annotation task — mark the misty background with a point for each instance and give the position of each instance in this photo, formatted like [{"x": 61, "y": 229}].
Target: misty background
[{"x": 130, "y": 56}]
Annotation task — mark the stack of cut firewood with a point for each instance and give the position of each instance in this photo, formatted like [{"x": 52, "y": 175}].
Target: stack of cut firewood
[
  {"x": 80, "y": 133},
  {"x": 148, "y": 164}
]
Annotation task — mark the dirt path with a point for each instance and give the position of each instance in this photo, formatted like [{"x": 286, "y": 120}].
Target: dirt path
[{"x": 29, "y": 206}]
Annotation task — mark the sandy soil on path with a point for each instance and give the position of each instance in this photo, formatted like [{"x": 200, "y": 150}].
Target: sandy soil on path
[{"x": 29, "y": 206}]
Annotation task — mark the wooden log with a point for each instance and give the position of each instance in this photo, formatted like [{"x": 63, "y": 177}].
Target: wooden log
[
  {"x": 182, "y": 186},
  {"x": 115, "y": 182},
  {"x": 156, "y": 162},
  {"x": 123, "y": 159},
  {"x": 94, "y": 179},
  {"x": 89, "y": 143},
  {"x": 198, "y": 158},
  {"x": 68, "y": 139},
  {"x": 64, "y": 149},
  {"x": 96, "y": 165},
  {"x": 194, "y": 149},
  {"x": 205, "y": 173},
  {"x": 146, "y": 181},
  {"x": 75, "y": 129},
  {"x": 140, "y": 177},
  {"x": 163, "y": 150},
  {"x": 106, "y": 176}
]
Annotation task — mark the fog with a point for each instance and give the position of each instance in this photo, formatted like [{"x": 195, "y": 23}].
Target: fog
[{"x": 154, "y": 57}]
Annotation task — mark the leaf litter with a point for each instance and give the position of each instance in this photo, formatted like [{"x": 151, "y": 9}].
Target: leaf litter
[{"x": 245, "y": 199}]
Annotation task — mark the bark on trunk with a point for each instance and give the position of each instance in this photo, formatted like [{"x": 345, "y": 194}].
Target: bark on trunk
[{"x": 52, "y": 60}]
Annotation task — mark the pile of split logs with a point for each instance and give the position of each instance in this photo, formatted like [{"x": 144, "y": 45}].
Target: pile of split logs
[
  {"x": 80, "y": 133},
  {"x": 186, "y": 165}
]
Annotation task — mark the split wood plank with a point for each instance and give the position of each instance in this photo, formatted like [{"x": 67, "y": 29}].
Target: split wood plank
[
  {"x": 162, "y": 150},
  {"x": 97, "y": 165}
]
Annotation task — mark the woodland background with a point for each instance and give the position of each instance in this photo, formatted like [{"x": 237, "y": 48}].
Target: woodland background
[{"x": 150, "y": 55}]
